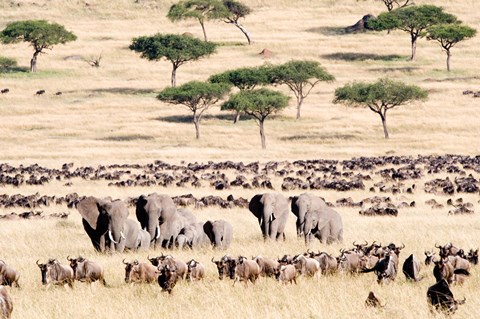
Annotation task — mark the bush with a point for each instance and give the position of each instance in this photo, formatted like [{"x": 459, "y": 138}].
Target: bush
[{"x": 7, "y": 63}]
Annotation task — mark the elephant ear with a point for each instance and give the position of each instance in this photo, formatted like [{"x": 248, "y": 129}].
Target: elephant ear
[
  {"x": 255, "y": 206},
  {"x": 293, "y": 205},
  {"x": 116, "y": 206},
  {"x": 88, "y": 208},
  {"x": 208, "y": 229}
]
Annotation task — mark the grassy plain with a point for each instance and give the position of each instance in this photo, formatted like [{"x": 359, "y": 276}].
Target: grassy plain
[{"x": 110, "y": 115}]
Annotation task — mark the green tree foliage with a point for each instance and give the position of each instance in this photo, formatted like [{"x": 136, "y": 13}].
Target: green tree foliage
[
  {"x": 413, "y": 20},
  {"x": 379, "y": 96},
  {"x": 243, "y": 79},
  {"x": 39, "y": 33},
  {"x": 178, "y": 49},
  {"x": 300, "y": 77},
  {"x": 259, "y": 104},
  {"x": 447, "y": 35},
  {"x": 6, "y": 64},
  {"x": 234, "y": 11},
  {"x": 196, "y": 96},
  {"x": 202, "y": 10}
]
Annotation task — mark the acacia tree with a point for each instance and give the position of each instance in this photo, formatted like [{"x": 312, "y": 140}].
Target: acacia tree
[
  {"x": 202, "y": 10},
  {"x": 300, "y": 77},
  {"x": 196, "y": 96},
  {"x": 244, "y": 79},
  {"x": 447, "y": 35},
  {"x": 234, "y": 11},
  {"x": 259, "y": 104},
  {"x": 178, "y": 49},
  {"x": 400, "y": 4},
  {"x": 40, "y": 33},
  {"x": 379, "y": 96},
  {"x": 413, "y": 20}
]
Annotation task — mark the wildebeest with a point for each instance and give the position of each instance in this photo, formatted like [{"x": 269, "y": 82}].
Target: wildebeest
[
  {"x": 349, "y": 262},
  {"x": 86, "y": 270},
  {"x": 411, "y": 268},
  {"x": 55, "y": 273},
  {"x": 246, "y": 270},
  {"x": 267, "y": 265},
  {"x": 222, "y": 266},
  {"x": 136, "y": 272},
  {"x": 472, "y": 256},
  {"x": 430, "y": 257},
  {"x": 386, "y": 268},
  {"x": 441, "y": 297},
  {"x": 40, "y": 92},
  {"x": 167, "y": 278},
  {"x": 443, "y": 270},
  {"x": 180, "y": 266},
  {"x": 306, "y": 266},
  {"x": 5, "y": 91},
  {"x": 372, "y": 301},
  {"x": 195, "y": 271},
  {"x": 8, "y": 275},
  {"x": 286, "y": 274},
  {"x": 6, "y": 304},
  {"x": 328, "y": 264}
]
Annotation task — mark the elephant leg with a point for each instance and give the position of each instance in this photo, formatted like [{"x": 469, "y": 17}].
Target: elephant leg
[{"x": 274, "y": 230}]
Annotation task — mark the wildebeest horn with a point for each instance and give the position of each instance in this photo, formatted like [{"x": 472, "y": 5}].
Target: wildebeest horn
[
  {"x": 354, "y": 243},
  {"x": 437, "y": 246},
  {"x": 68, "y": 258},
  {"x": 366, "y": 243},
  {"x": 37, "y": 262},
  {"x": 403, "y": 246},
  {"x": 212, "y": 260},
  {"x": 124, "y": 261}
]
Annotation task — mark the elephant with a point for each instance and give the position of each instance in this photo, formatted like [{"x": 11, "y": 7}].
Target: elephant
[
  {"x": 192, "y": 236},
  {"x": 326, "y": 225},
  {"x": 304, "y": 203},
  {"x": 220, "y": 233},
  {"x": 104, "y": 222},
  {"x": 158, "y": 215},
  {"x": 271, "y": 210},
  {"x": 135, "y": 237}
]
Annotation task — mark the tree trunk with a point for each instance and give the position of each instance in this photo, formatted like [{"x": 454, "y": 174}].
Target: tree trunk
[
  {"x": 384, "y": 123},
  {"x": 299, "y": 105},
  {"x": 237, "y": 117},
  {"x": 33, "y": 61},
  {"x": 196, "y": 121},
  {"x": 414, "y": 48},
  {"x": 244, "y": 32},
  {"x": 262, "y": 133},
  {"x": 174, "y": 76},
  {"x": 448, "y": 60},
  {"x": 204, "y": 32}
]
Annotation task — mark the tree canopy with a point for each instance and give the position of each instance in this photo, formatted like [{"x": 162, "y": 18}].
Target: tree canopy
[
  {"x": 259, "y": 104},
  {"x": 413, "y": 20},
  {"x": 202, "y": 10},
  {"x": 178, "y": 49},
  {"x": 196, "y": 96},
  {"x": 41, "y": 35},
  {"x": 300, "y": 76},
  {"x": 447, "y": 35},
  {"x": 379, "y": 96},
  {"x": 243, "y": 78}
]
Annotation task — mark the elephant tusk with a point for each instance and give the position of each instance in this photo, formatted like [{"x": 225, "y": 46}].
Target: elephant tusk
[
  {"x": 158, "y": 232},
  {"x": 122, "y": 235},
  {"x": 111, "y": 237}
]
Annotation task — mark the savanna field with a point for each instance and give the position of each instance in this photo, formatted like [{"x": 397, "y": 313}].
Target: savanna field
[{"x": 110, "y": 115}]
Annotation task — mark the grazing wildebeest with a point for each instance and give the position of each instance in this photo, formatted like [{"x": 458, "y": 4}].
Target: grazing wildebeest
[
  {"x": 40, "y": 92},
  {"x": 222, "y": 266},
  {"x": 441, "y": 297},
  {"x": 55, "y": 273},
  {"x": 136, "y": 272},
  {"x": 246, "y": 270},
  {"x": 6, "y": 304},
  {"x": 8, "y": 275},
  {"x": 411, "y": 268},
  {"x": 86, "y": 270},
  {"x": 167, "y": 278},
  {"x": 5, "y": 91}
]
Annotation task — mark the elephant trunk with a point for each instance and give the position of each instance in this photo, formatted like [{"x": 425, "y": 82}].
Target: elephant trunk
[
  {"x": 267, "y": 220},
  {"x": 302, "y": 210},
  {"x": 153, "y": 228}
]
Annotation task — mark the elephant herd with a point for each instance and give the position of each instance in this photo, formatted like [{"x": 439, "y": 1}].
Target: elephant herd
[{"x": 107, "y": 224}]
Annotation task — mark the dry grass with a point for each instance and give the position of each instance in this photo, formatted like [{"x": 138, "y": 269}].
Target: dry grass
[{"x": 110, "y": 115}]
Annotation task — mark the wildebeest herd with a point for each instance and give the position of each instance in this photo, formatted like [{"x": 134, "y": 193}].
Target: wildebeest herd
[{"x": 452, "y": 266}]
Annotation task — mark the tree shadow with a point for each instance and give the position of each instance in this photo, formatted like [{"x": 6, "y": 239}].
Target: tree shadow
[
  {"x": 227, "y": 117},
  {"x": 127, "y": 138},
  {"x": 406, "y": 69},
  {"x": 329, "y": 30},
  {"x": 355, "y": 56},
  {"x": 326, "y": 136},
  {"x": 14, "y": 69},
  {"x": 124, "y": 90}
]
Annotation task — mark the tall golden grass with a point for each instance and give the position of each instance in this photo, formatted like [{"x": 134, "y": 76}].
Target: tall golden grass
[{"x": 110, "y": 115}]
